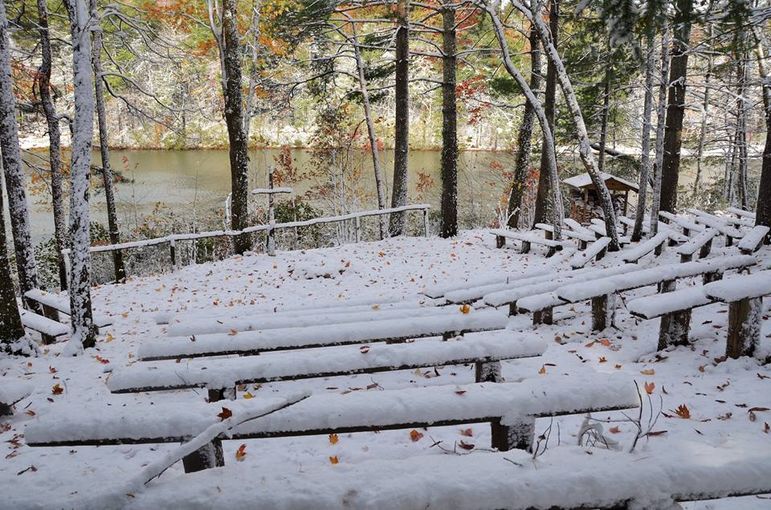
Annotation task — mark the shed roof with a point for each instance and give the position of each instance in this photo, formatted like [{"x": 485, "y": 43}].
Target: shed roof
[{"x": 585, "y": 181}]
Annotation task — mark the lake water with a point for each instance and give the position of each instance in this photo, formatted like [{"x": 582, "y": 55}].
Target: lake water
[{"x": 195, "y": 183}]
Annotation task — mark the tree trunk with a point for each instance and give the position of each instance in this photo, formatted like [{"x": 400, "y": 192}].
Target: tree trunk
[
  {"x": 661, "y": 113},
  {"x": 525, "y": 137},
  {"x": 449, "y": 127},
  {"x": 550, "y": 100},
  {"x": 12, "y": 164},
  {"x": 741, "y": 125},
  {"x": 402, "y": 114},
  {"x": 645, "y": 160},
  {"x": 538, "y": 109},
  {"x": 704, "y": 109},
  {"x": 253, "y": 47},
  {"x": 11, "y": 330},
  {"x": 584, "y": 145},
  {"x": 54, "y": 141},
  {"x": 763, "y": 207},
  {"x": 83, "y": 331},
  {"x": 673, "y": 134},
  {"x": 605, "y": 116},
  {"x": 371, "y": 133},
  {"x": 104, "y": 150},
  {"x": 234, "y": 119}
]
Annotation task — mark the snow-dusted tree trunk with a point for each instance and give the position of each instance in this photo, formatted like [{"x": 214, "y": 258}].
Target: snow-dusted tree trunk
[
  {"x": 54, "y": 140},
  {"x": 704, "y": 112},
  {"x": 645, "y": 160},
  {"x": 104, "y": 149},
  {"x": 12, "y": 164},
  {"x": 82, "y": 326},
  {"x": 449, "y": 125},
  {"x": 763, "y": 207},
  {"x": 525, "y": 137},
  {"x": 557, "y": 208},
  {"x": 605, "y": 115},
  {"x": 11, "y": 329},
  {"x": 661, "y": 113},
  {"x": 584, "y": 144},
  {"x": 402, "y": 116},
  {"x": 741, "y": 126}
]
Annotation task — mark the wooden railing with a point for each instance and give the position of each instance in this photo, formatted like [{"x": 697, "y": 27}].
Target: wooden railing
[{"x": 172, "y": 239}]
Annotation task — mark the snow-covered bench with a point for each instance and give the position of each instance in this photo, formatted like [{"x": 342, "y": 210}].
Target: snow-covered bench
[
  {"x": 526, "y": 239},
  {"x": 53, "y": 305},
  {"x": 49, "y": 329},
  {"x": 11, "y": 392},
  {"x": 683, "y": 222},
  {"x": 628, "y": 223},
  {"x": 654, "y": 244},
  {"x": 221, "y": 376},
  {"x": 741, "y": 213},
  {"x": 596, "y": 250},
  {"x": 718, "y": 223},
  {"x": 441, "y": 290},
  {"x": 582, "y": 238},
  {"x": 701, "y": 242},
  {"x": 742, "y": 293},
  {"x": 601, "y": 290},
  {"x": 386, "y": 330},
  {"x": 510, "y": 408},
  {"x": 597, "y": 226},
  {"x": 754, "y": 239}
]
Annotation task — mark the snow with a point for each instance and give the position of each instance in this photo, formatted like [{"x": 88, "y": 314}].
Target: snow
[
  {"x": 697, "y": 242},
  {"x": 640, "y": 250},
  {"x": 741, "y": 212},
  {"x": 526, "y": 237},
  {"x": 62, "y": 304},
  {"x": 577, "y": 227},
  {"x": 667, "y": 302},
  {"x": 682, "y": 221},
  {"x": 12, "y": 391},
  {"x": 580, "y": 259},
  {"x": 716, "y": 223},
  {"x": 42, "y": 324},
  {"x": 323, "y": 413},
  {"x": 721, "y": 449},
  {"x": 583, "y": 180},
  {"x": 753, "y": 239},
  {"x": 268, "y": 191},
  {"x": 740, "y": 287},
  {"x": 224, "y": 373}
]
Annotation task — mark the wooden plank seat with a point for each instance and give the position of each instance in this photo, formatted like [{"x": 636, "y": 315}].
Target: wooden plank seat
[
  {"x": 741, "y": 213},
  {"x": 743, "y": 294},
  {"x": 526, "y": 239},
  {"x": 254, "y": 342},
  {"x": 548, "y": 231},
  {"x": 653, "y": 245},
  {"x": 688, "y": 471},
  {"x": 754, "y": 239},
  {"x": 598, "y": 227},
  {"x": 601, "y": 291},
  {"x": 11, "y": 392},
  {"x": 718, "y": 223},
  {"x": 701, "y": 242},
  {"x": 277, "y": 321},
  {"x": 628, "y": 224},
  {"x": 510, "y": 408},
  {"x": 49, "y": 329},
  {"x": 440, "y": 291},
  {"x": 577, "y": 227},
  {"x": 582, "y": 238},
  {"x": 686, "y": 224},
  {"x": 594, "y": 251},
  {"x": 226, "y": 374},
  {"x": 54, "y": 304}
]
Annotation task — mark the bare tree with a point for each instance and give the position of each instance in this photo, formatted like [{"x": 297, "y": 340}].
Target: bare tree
[
  {"x": 661, "y": 112},
  {"x": 402, "y": 116}
]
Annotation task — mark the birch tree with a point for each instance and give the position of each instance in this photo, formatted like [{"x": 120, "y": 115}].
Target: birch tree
[
  {"x": 12, "y": 165},
  {"x": 83, "y": 332}
]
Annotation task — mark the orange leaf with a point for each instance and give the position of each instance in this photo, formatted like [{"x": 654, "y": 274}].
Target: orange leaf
[
  {"x": 241, "y": 452},
  {"x": 683, "y": 412},
  {"x": 542, "y": 370},
  {"x": 225, "y": 414},
  {"x": 415, "y": 435},
  {"x": 649, "y": 387},
  {"x": 465, "y": 445},
  {"x": 466, "y": 432},
  {"x": 605, "y": 342},
  {"x": 56, "y": 389},
  {"x": 103, "y": 361},
  {"x": 233, "y": 332},
  {"x": 648, "y": 371},
  {"x": 614, "y": 430},
  {"x": 333, "y": 459},
  {"x": 602, "y": 359},
  {"x": 333, "y": 439},
  {"x": 465, "y": 308}
]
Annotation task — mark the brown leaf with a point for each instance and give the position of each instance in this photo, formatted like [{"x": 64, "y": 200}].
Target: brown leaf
[
  {"x": 364, "y": 349},
  {"x": 604, "y": 341},
  {"x": 602, "y": 359},
  {"x": 233, "y": 332},
  {"x": 649, "y": 387},
  {"x": 656, "y": 432},
  {"x": 241, "y": 452},
  {"x": 465, "y": 308},
  {"x": 683, "y": 412},
  {"x": 460, "y": 392},
  {"x": 56, "y": 389},
  {"x": 333, "y": 459},
  {"x": 333, "y": 439},
  {"x": 542, "y": 370},
  {"x": 52, "y": 369},
  {"x": 648, "y": 371},
  {"x": 614, "y": 430},
  {"x": 225, "y": 414},
  {"x": 415, "y": 435},
  {"x": 465, "y": 445},
  {"x": 467, "y": 432}
]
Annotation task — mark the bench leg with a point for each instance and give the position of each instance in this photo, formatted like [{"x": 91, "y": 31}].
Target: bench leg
[
  {"x": 603, "y": 310},
  {"x": 674, "y": 329},
  {"x": 217, "y": 394},
  {"x": 686, "y": 257},
  {"x": 545, "y": 316},
  {"x": 525, "y": 247},
  {"x": 513, "y": 309},
  {"x": 206, "y": 457},
  {"x": 488, "y": 371},
  {"x": 712, "y": 277},
  {"x": 706, "y": 249},
  {"x": 729, "y": 241},
  {"x": 601, "y": 254},
  {"x": 744, "y": 319},
  {"x": 448, "y": 335},
  {"x": 513, "y": 436},
  {"x": 5, "y": 410},
  {"x": 582, "y": 245},
  {"x": 659, "y": 249},
  {"x": 500, "y": 241}
]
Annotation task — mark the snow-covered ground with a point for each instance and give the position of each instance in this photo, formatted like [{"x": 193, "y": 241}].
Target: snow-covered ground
[{"x": 706, "y": 400}]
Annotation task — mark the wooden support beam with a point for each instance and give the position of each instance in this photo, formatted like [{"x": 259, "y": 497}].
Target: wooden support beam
[
  {"x": 674, "y": 329},
  {"x": 744, "y": 320},
  {"x": 603, "y": 310},
  {"x": 706, "y": 249},
  {"x": 206, "y": 457},
  {"x": 545, "y": 316},
  {"x": 525, "y": 247},
  {"x": 500, "y": 241},
  {"x": 515, "y": 436}
]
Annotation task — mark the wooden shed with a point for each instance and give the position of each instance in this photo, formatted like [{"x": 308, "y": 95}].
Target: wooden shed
[{"x": 584, "y": 193}]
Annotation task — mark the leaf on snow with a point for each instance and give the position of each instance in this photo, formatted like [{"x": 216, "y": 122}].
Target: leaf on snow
[
  {"x": 225, "y": 414},
  {"x": 241, "y": 452}
]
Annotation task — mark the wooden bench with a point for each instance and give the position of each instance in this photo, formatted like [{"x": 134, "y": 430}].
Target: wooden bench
[
  {"x": 601, "y": 291},
  {"x": 684, "y": 223},
  {"x": 754, "y": 239},
  {"x": 719, "y": 224},
  {"x": 526, "y": 239},
  {"x": 741, "y": 213},
  {"x": 440, "y": 291},
  {"x": 598, "y": 227},
  {"x": 595, "y": 251},
  {"x": 701, "y": 242},
  {"x": 221, "y": 376},
  {"x": 510, "y": 408},
  {"x": 53, "y": 305},
  {"x": 628, "y": 224},
  {"x": 387, "y": 330},
  {"x": 653, "y": 245},
  {"x": 11, "y": 392},
  {"x": 742, "y": 293},
  {"x": 49, "y": 329}
]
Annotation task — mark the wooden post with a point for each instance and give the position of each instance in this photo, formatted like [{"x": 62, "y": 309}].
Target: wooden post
[
  {"x": 271, "y": 245},
  {"x": 582, "y": 245},
  {"x": 601, "y": 253},
  {"x": 659, "y": 249},
  {"x": 674, "y": 329},
  {"x": 357, "y": 223},
  {"x": 686, "y": 257},
  {"x": 488, "y": 371},
  {"x": 513, "y": 309},
  {"x": 712, "y": 277},
  {"x": 602, "y": 312},
  {"x": 208, "y": 456},
  {"x": 514, "y": 436},
  {"x": 173, "y": 253},
  {"x": 425, "y": 223},
  {"x": 545, "y": 316},
  {"x": 744, "y": 320},
  {"x": 525, "y": 247},
  {"x": 500, "y": 241},
  {"x": 705, "y": 249}
]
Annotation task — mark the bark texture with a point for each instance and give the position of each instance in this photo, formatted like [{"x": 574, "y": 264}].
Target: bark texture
[
  {"x": 673, "y": 134},
  {"x": 402, "y": 114},
  {"x": 645, "y": 160},
  {"x": 661, "y": 113},
  {"x": 11, "y": 329},
  {"x": 12, "y": 165},
  {"x": 449, "y": 126},
  {"x": 763, "y": 207}
]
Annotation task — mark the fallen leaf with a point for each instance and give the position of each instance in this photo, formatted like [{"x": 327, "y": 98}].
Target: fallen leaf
[
  {"x": 376, "y": 307},
  {"x": 614, "y": 430},
  {"x": 108, "y": 337},
  {"x": 464, "y": 308},
  {"x": 467, "y": 432},
  {"x": 241, "y": 452},
  {"x": 648, "y": 371},
  {"x": 233, "y": 332},
  {"x": 460, "y": 392},
  {"x": 683, "y": 412},
  {"x": 52, "y": 369},
  {"x": 649, "y": 387},
  {"x": 617, "y": 366},
  {"x": 225, "y": 414},
  {"x": 415, "y": 435},
  {"x": 656, "y": 432},
  {"x": 333, "y": 459},
  {"x": 333, "y": 439},
  {"x": 465, "y": 445},
  {"x": 248, "y": 395},
  {"x": 602, "y": 359},
  {"x": 364, "y": 349},
  {"x": 542, "y": 370},
  {"x": 605, "y": 342},
  {"x": 103, "y": 361},
  {"x": 56, "y": 389}
]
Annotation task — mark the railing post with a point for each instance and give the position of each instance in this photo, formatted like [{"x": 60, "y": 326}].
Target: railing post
[
  {"x": 173, "y": 253},
  {"x": 425, "y": 221},
  {"x": 357, "y": 222}
]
